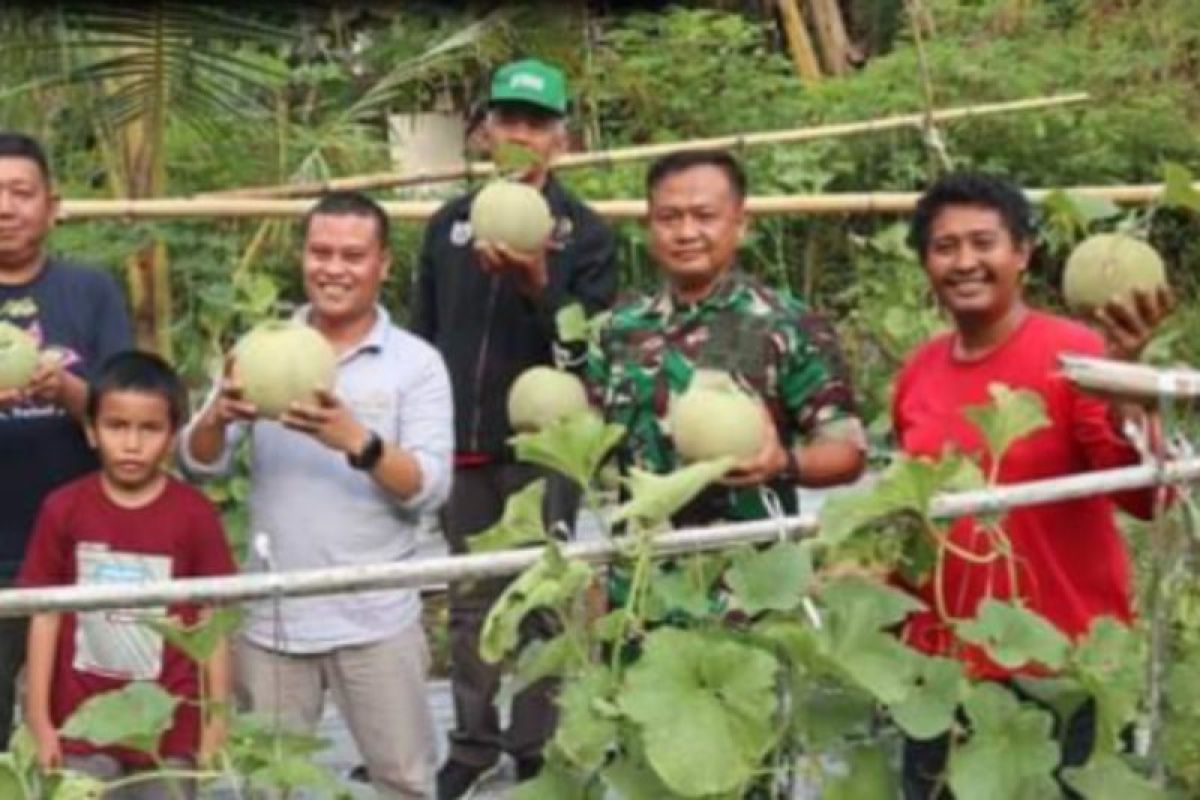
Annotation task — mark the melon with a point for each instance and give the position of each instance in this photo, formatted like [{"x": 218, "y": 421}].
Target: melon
[
  {"x": 715, "y": 418},
  {"x": 280, "y": 362},
  {"x": 542, "y": 395},
  {"x": 1110, "y": 266},
  {"x": 18, "y": 356},
  {"x": 513, "y": 214}
]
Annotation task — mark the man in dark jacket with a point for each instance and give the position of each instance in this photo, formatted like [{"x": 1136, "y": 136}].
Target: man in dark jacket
[{"x": 491, "y": 313}]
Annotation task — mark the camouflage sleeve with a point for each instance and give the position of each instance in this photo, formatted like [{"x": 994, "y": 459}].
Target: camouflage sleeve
[
  {"x": 814, "y": 383},
  {"x": 597, "y": 368}
]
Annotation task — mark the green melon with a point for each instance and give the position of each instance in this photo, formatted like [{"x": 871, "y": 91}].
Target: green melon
[
  {"x": 714, "y": 418},
  {"x": 542, "y": 395},
  {"x": 18, "y": 356},
  {"x": 513, "y": 214},
  {"x": 1110, "y": 266},
  {"x": 282, "y": 362}
]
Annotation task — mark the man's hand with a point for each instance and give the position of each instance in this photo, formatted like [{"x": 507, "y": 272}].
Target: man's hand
[
  {"x": 48, "y": 746},
  {"x": 1129, "y": 326},
  {"x": 329, "y": 421},
  {"x": 231, "y": 404},
  {"x": 528, "y": 269},
  {"x": 10, "y": 398},
  {"x": 769, "y": 461}
]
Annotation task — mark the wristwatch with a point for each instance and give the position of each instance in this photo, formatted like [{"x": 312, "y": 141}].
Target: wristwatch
[
  {"x": 791, "y": 469},
  {"x": 366, "y": 458}
]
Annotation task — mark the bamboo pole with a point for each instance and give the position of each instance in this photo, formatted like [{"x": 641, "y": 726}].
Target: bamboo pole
[
  {"x": 831, "y": 33},
  {"x": 800, "y": 47},
  {"x": 438, "y": 571},
  {"x": 483, "y": 169},
  {"x": 1131, "y": 381},
  {"x": 419, "y": 210}
]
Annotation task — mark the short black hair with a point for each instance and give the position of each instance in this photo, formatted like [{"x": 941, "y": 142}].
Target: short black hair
[
  {"x": 973, "y": 189},
  {"x": 137, "y": 371},
  {"x": 19, "y": 145},
  {"x": 682, "y": 160},
  {"x": 355, "y": 204}
]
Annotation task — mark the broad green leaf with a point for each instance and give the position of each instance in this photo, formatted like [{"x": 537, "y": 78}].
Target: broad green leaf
[
  {"x": 654, "y": 498},
  {"x": 512, "y": 157},
  {"x": 1011, "y": 753},
  {"x": 198, "y": 641},
  {"x": 543, "y": 659},
  {"x": 554, "y": 782},
  {"x": 1179, "y": 189},
  {"x": 572, "y": 323},
  {"x": 774, "y": 579},
  {"x": 1078, "y": 211},
  {"x": 135, "y": 716},
  {"x": 1014, "y": 636},
  {"x": 77, "y": 786},
  {"x": 632, "y": 779},
  {"x": 574, "y": 446},
  {"x": 10, "y": 780},
  {"x": 1012, "y": 415},
  {"x": 1107, "y": 776},
  {"x": 928, "y": 708},
  {"x": 853, "y": 636},
  {"x": 1109, "y": 662},
  {"x": 685, "y": 586},
  {"x": 908, "y": 485},
  {"x": 551, "y": 581},
  {"x": 23, "y": 749},
  {"x": 584, "y": 734},
  {"x": 869, "y": 777},
  {"x": 520, "y": 524},
  {"x": 829, "y": 710},
  {"x": 706, "y": 707},
  {"x": 1062, "y": 695},
  {"x": 290, "y": 771}
]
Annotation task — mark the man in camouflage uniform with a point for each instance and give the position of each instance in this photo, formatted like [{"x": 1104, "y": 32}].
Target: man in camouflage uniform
[{"x": 710, "y": 315}]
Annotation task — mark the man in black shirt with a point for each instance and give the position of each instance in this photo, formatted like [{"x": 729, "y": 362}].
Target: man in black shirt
[
  {"x": 78, "y": 317},
  {"x": 491, "y": 311}
]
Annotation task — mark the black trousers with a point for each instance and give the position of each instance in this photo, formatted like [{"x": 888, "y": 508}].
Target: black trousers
[
  {"x": 925, "y": 760},
  {"x": 476, "y": 503},
  {"x": 13, "y": 631}
]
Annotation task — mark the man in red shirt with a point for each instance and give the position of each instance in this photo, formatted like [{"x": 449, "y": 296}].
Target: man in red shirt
[
  {"x": 128, "y": 523},
  {"x": 974, "y": 235}
]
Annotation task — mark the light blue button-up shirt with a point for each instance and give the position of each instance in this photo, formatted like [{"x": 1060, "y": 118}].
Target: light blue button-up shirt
[{"x": 316, "y": 511}]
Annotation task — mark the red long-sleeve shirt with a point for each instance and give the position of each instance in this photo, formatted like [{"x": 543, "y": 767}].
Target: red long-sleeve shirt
[{"x": 1071, "y": 563}]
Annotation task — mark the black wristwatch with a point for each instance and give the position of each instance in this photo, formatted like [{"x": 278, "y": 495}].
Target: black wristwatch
[
  {"x": 791, "y": 470},
  {"x": 369, "y": 456}
]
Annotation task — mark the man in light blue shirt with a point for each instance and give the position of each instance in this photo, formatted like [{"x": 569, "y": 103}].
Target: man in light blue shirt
[{"x": 339, "y": 482}]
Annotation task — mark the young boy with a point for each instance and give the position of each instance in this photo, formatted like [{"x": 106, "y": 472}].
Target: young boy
[{"x": 128, "y": 523}]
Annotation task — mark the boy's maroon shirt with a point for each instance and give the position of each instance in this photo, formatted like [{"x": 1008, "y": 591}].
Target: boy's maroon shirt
[{"x": 80, "y": 531}]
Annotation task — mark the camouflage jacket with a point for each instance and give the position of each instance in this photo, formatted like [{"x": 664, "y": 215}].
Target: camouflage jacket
[{"x": 650, "y": 348}]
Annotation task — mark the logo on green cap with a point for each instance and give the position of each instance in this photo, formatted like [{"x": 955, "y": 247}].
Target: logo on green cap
[{"x": 530, "y": 81}]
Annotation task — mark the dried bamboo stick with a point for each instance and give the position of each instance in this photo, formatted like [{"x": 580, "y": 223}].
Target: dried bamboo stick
[
  {"x": 383, "y": 180},
  {"x": 1131, "y": 381},
  {"x": 438, "y": 571},
  {"x": 419, "y": 210}
]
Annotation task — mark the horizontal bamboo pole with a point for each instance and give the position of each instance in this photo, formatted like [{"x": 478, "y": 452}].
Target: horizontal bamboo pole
[
  {"x": 1132, "y": 381},
  {"x": 437, "y": 571},
  {"x": 482, "y": 169},
  {"x": 419, "y": 210}
]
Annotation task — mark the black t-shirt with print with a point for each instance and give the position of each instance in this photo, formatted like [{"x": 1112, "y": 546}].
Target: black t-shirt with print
[{"x": 81, "y": 312}]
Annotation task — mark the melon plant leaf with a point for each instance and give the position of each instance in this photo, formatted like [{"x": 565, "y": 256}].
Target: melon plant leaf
[
  {"x": 1109, "y": 662},
  {"x": 1107, "y": 776},
  {"x": 574, "y": 446},
  {"x": 23, "y": 750},
  {"x": 554, "y": 782},
  {"x": 290, "y": 771},
  {"x": 705, "y": 706},
  {"x": 1011, "y": 753},
  {"x": 77, "y": 786},
  {"x": 1011, "y": 415},
  {"x": 773, "y": 579},
  {"x": 571, "y": 322},
  {"x": 520, "y": 524},
  {"x": 1062, "y": 695},
  {"x": 513, "y": 158},
  {"x": 544, "y": 658},
  {"x": 550, "y": 582},
  {"x": 928, "y": 708},
  {"x": 584, "y": 734},
  {"x": 135, "y": 716},
  {"x": 1014, "y": 636},
  {"x": 869, "y": 777},
  {"x": 1179, "y": 189},
  {"x": 685, "y": 588},
  {"x": 10, "y": 778},
  {"x": 632, "y": 778},
  {"x": 654, "y": 498},
  {"x": 198, "y": 641}
]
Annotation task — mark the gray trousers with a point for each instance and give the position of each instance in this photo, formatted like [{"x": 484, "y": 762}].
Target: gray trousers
[
  {"x": 108, "y": 769},
  {"x": 476, "y": 503}
]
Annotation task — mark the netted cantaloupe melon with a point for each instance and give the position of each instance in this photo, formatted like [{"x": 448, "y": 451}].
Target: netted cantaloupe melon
[
  {"x": 282, "y": 362},
  {"x": 18, "y": 356},
  {"x": 542, "y": 395},
  {"x": 513, "y": 214},
  {"x": 715, "y": 418},
  {"x": 1110, "y": 266}
]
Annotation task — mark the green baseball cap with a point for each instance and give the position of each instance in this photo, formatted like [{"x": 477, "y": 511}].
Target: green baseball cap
[{"x": 530, "y": 81}]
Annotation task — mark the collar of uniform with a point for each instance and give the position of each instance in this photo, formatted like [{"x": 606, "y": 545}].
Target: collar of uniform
[
  {"x": 728, "y": 288},
  {"x": 373, "y": 342}
]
